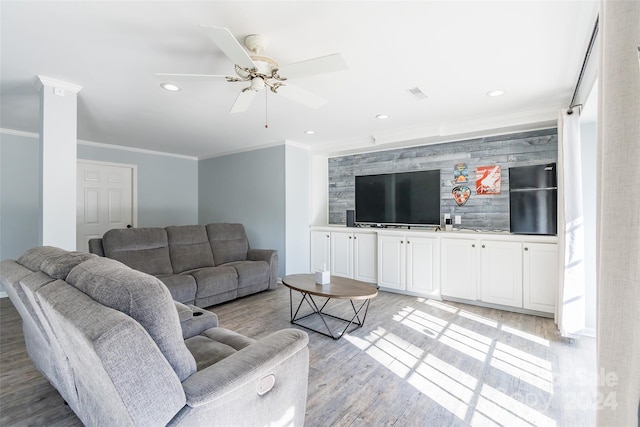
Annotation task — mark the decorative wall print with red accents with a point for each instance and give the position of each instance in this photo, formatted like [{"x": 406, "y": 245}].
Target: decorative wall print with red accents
[
  {"x": 488, "y": 180},
  {"x": 461, "y": 194}
]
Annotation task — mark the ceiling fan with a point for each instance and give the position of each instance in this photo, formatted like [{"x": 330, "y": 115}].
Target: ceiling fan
[{"x": 262, "y": 72}]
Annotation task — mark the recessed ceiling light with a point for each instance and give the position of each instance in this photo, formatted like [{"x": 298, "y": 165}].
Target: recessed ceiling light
[
  {"x": 382, "y": 116},
  {"x": 170, "y": 87},
  {"x": 497, "y": 92},
  {"x": 309, "y": 132}
]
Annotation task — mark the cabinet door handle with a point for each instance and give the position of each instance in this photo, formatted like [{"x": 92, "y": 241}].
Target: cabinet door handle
[
  {"x": 526, "y": 249},
  {"x": 355, "y": 237},
  {"x": 328, "y": 236},
  {"x": 473, "y": 246},
  {"x": 408, "y": 242},
  {"x": 401, "y": 241},
  {"x": 483, "y": 246},
  {"x": 350, "y": 237}
]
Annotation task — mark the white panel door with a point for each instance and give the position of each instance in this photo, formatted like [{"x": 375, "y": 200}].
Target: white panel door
[
  {"x": 459, "y": 271},
  {"x": 391, "y": 262},
  {"x": 501, "y": 264},
  {"x": 320, "y": 250},
  {"x": 540, "y": 263},
  {"x": 365, "y": 252},
  {"x": 104, "y": 200},
  {"x": 422, "y": 265},
  {"x": 342, "y": 254}
]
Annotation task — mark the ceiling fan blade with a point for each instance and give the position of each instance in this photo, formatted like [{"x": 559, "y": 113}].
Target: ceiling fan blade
[
  {"x": 301, "y": 96},
  {"x": 310, "y": 67},
  {"x": 227, "y": 43},
  {"x": 243, "y": 102},
  {"x": 201, "y": 76}
]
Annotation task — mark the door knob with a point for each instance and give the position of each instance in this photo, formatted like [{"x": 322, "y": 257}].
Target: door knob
[{"x": 129, "y": 226}]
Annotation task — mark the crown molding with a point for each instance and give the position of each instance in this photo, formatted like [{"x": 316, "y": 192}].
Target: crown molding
[
  {"x": 49, "y": 82},
  {"x": 134, "y": 150},
  {"x": 19, "y": 133}
]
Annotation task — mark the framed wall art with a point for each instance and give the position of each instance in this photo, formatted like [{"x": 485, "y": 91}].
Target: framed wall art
[{"x": 488, "y": 179}]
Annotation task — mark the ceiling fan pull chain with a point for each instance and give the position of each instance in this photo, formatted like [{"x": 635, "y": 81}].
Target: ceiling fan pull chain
[{"x": 266, "y": 107}]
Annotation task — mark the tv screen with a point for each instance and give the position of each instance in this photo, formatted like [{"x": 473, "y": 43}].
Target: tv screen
[{"x": 408, "y": 198}]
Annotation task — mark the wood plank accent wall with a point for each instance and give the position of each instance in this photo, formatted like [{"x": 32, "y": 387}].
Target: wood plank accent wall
[{"x": 481, "y": 212}]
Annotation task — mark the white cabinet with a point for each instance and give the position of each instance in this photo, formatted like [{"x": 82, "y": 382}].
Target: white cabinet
[
  {"x": 345, "y": 254},
  {"x": 423, "y": 265},
  {"x": 459, "y": 271},
  {"x": 391, "y": 262},
  {"x": 320, "y": 250},
  {"x": 506, "y": 270},
  {"x": 501, "y": 272},
  {"x": 493, "y": 269},
  {"x": 409, "y": 263},
  {"x": 540, "y": 276},
  {"x": 342, "y": 254},
  {"x": 365, "y": 249}
]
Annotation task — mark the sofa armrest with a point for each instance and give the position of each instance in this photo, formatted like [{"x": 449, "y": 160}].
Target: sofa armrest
[
  {"x": 95, "y": 247},
  {"x": 194, "y": 320},
  {"x": 270, "y": 256},
  {"x": 248, "y": 365}
]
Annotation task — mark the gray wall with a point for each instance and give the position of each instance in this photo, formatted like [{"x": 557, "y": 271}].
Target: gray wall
[
  {"x": 167, "y": 189},
  {"x": 167, "y": 185},
  {"x": 483, "y": 212},
  {"x": 19, "y": 194},
  {"x": 247, "y": 188}
]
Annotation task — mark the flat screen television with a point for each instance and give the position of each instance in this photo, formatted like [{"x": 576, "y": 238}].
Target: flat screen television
[{"x": 408, "y": 198}]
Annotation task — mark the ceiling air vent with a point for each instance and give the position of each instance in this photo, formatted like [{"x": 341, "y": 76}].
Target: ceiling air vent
[{"x": 417, "y": 93}]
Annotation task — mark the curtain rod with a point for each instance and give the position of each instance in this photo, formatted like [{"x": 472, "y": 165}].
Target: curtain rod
[{"x": 584, "y": 66}]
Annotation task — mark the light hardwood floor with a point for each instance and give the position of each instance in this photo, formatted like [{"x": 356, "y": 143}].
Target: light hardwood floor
[{"x": 415, "y": 362}]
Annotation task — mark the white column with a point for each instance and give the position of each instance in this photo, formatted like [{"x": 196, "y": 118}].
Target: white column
[{"x": 58, "y": 160}]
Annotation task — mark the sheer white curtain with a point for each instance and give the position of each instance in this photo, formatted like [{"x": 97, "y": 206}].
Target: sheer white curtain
[
  {"x": 618, "y": 215},
  {"x": 570, "y": 309}
]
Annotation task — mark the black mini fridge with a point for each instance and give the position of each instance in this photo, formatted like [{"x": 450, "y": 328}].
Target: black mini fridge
[{"x": 533, "y": 199}]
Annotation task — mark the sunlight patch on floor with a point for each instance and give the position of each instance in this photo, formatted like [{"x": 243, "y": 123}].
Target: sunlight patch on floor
[
  {"x": 421, "y": 322},
  {"x": 460, "y": 393},
  {"x": 525, "y": 335},
  {"x": 524, "y": 366},
  {"x": 504, "y": 410},
  {"x": 479, "y": 319}
]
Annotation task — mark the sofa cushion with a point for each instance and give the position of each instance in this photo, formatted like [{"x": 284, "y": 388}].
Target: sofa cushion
[
  {"x": 251, "y": 272},
  {"x": 121, "y": 377},
  {"x": 228, "y": 242},
  {"x": 35, "y": 257},
  {"x": 215, "y": 280},
  {"x": 141, "y": 296},
  {"x": 53, "y": 261},
  {"x": 189, "y": 247},
  {"x": 215, "y": 344},
  {"x": 143, "y": 249},
  {"x": 60, "y": 267},
  {"x": 181, "y": 286}
]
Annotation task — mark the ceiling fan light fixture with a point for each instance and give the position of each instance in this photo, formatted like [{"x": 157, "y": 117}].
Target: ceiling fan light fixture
[
  {"x": 382, "y": 116},
  {"x": 170, "y": 87},
  {"x": 257, "y": 84},
  {"x": 310, "y": 132},
  {"x": 494, "y": 93}
]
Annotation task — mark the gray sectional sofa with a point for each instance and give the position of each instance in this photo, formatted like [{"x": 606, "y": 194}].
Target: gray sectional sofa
[
  {"x": 122, "y": 352},
  {"x": 202, "y": 265}
]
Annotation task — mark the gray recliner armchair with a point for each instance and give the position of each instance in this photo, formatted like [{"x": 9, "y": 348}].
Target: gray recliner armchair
[{"x": 121, "y": 352}]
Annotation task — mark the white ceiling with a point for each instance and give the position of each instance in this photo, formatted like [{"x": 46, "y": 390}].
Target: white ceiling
[{"x": 454, "y": 51}]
